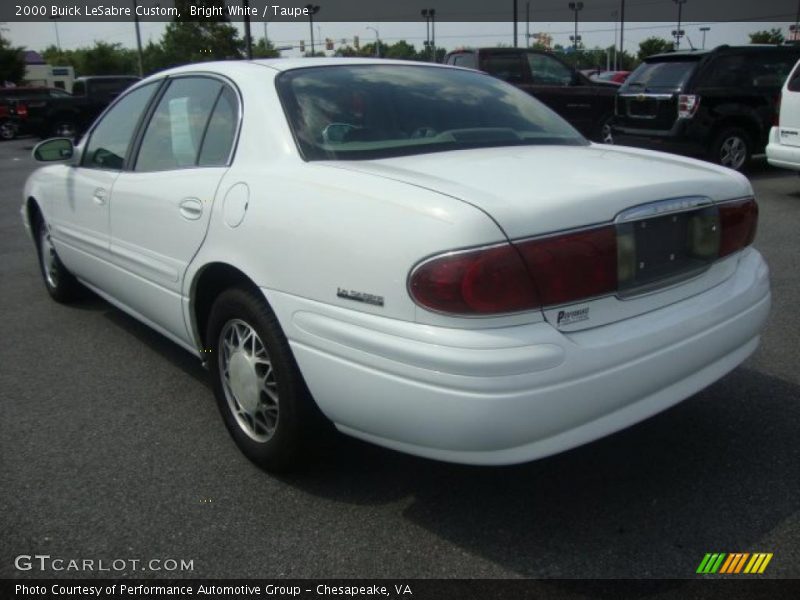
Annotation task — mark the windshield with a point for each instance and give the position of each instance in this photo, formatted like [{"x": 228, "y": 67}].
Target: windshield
[
  {"x": 345, "y": 112},
  {"x": 665, "y": 75}
]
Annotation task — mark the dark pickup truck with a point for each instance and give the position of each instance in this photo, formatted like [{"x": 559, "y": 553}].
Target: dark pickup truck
[
  {"x": 586, "y": 104},
  {"x": 716, "y": 104},
  {"x": 70, "y": 116}
]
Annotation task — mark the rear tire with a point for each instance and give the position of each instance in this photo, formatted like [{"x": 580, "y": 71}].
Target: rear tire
[
  {"x": 260, "y": 392},
  {"x": 604, "y": 134},
  {"x": 8, "y": 131},
  {"x": 59, "y": 282},
  {"x": 731, "y": 148}
]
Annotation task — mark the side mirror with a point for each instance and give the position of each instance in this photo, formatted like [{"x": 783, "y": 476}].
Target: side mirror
[{"x": 54, "y": 150}]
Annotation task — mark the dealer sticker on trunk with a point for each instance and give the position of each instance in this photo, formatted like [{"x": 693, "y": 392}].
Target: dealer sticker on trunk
[{"x": 567, "y": 317}]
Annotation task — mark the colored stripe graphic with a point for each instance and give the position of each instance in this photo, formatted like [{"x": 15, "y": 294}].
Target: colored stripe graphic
[
  {"x": 729, "y": 564},
  {"x": 711, "y": 563},
  {"x": 734, "y": 563}
]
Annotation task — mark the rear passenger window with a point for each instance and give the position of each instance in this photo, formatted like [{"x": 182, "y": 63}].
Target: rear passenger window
[
  {"x": 467, "y": 59},
  {"x": 507, "y": 67},
  {"x": 175, "y": 132},
  {"x": 732, "y": 71},
  {"x": 221, "y": 131},
  {"x": 770, "y": 70}
]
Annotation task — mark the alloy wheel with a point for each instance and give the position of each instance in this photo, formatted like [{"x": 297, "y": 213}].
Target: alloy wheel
[
  {"x": 733, "y": 152},
  {"x": 248, "y": 380}
]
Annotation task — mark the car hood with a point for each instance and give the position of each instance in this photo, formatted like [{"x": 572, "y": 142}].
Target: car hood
[{"x": 533, "y": 190}]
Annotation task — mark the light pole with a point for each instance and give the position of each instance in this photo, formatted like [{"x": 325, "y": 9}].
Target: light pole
[
  {"x": 576, "y": 7},
  {"x": 678, "y": 32},
  {"x": 139, "y": 57},
  {"x": 621, "y": 51},
  {"x": 430, "y": 25},
  {"x": 527, "y": 24},
  {"x": 377, "y": 42},
  {"x": 704, "y": 29},
  {"x": 312, "y": 10},
  {"x": 58, "y": 39},
  {"x": 614, "y": 14},
  {"x": 515, "y": 23},
  {"x": 248, "y": 38}
]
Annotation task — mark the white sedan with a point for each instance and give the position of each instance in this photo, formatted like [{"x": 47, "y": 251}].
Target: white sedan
[{"x": 423, "y": 256}]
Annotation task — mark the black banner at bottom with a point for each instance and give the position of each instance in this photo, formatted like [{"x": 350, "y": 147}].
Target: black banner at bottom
[{"x": 411, "y": 589}]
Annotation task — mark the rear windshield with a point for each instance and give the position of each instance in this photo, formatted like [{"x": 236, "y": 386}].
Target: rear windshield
[
  {"x": 350, "y": 112},
  {"x": 660, "y": 76}
]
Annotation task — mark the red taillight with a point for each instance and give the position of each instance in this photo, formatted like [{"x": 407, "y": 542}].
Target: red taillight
[
  {"x": 738, "y": 221},
  {"x": 478, "y": 282},
  {"x": 687, "y": 105},
  {"x": 573, "y": 266},
  {"x": 21, "y": 110},
  {"x": 560, "y": 269}
]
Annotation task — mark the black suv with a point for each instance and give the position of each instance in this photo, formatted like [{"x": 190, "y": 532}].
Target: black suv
[
  {"x": 717, "y": 104},
  {"x": 586, "y": 104}
]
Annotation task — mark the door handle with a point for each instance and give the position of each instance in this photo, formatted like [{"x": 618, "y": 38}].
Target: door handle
[
  {"x": 191, "y": 208},
  {"x": 99, "y": 196}
]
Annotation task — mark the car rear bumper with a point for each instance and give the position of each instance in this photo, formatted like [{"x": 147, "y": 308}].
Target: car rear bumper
[
  {"x": 512, "y": 395},
  {"x": 782, "y": 155},
  {"x": 684, "y": 137}
]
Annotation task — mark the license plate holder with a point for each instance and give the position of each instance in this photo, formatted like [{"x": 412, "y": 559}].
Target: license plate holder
[{"x": 662, "y": 250}]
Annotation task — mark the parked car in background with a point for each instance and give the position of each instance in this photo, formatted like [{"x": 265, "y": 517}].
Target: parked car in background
[
  {"x": 618, "y": 77},
  {"x": 427, "y": 257},
  {"x": 24, "y": 99},
  {"x": 717, "y": 104},
  {"x": 587, "y": 105},
  {"x": 9, "y": 124},
  {"x": 783, "y": 149},
  {"x": 71, "y": 115}
]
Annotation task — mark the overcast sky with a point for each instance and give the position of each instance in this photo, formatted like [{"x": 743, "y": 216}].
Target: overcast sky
[{"x": 37, "y": 36}]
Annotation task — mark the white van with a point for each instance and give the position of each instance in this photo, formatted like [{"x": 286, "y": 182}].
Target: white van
[{"x": 783, "y": 149}]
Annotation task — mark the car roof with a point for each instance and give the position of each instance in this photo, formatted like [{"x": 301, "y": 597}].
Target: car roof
[
  {"x": 287, "y": 64},
  {"x": 719, "y": 49}
]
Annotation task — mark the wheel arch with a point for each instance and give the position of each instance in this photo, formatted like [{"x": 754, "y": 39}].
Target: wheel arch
[
  {"x": 208, "y": 283},
  {"x": 33, "y": 213},
  {"x": 749, "y": 126}
]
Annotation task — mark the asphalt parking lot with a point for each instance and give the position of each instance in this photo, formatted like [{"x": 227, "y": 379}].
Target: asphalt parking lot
[{"x": 111, "y": 447}]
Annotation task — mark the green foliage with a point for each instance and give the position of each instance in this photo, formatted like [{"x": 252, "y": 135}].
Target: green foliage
[
  {"x": 185, "y": 41},
  {"x": 773, "y": 36},
  {"x": 265, "y": 49},
  {"x": 100, "y": 59},
  {"x": 12, "y": 63},
  {"x": 654, "y": 45}
]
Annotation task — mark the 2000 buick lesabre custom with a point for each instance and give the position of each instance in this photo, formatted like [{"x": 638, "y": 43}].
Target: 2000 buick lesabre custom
[{"x": 424, "y": 256}]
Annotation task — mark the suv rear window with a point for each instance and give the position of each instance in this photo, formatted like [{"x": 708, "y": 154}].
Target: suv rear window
[
  {"x": 661, "y": 75},
  {"x": 465, "y": 59}
]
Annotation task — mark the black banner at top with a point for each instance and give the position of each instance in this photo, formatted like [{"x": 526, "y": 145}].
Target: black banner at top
[{"x": 546, "y": 11}]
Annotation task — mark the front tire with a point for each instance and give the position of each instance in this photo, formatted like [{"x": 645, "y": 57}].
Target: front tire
[
  {"x": 66, "y": 128},
  {"x": 260, "y": 392},
  {"x": 731, "y": 148},
  {"x": 59, "y": 282}
]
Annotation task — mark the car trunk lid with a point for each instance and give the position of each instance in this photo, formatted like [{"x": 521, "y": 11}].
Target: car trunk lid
[{"x": 535, "y": 192}]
